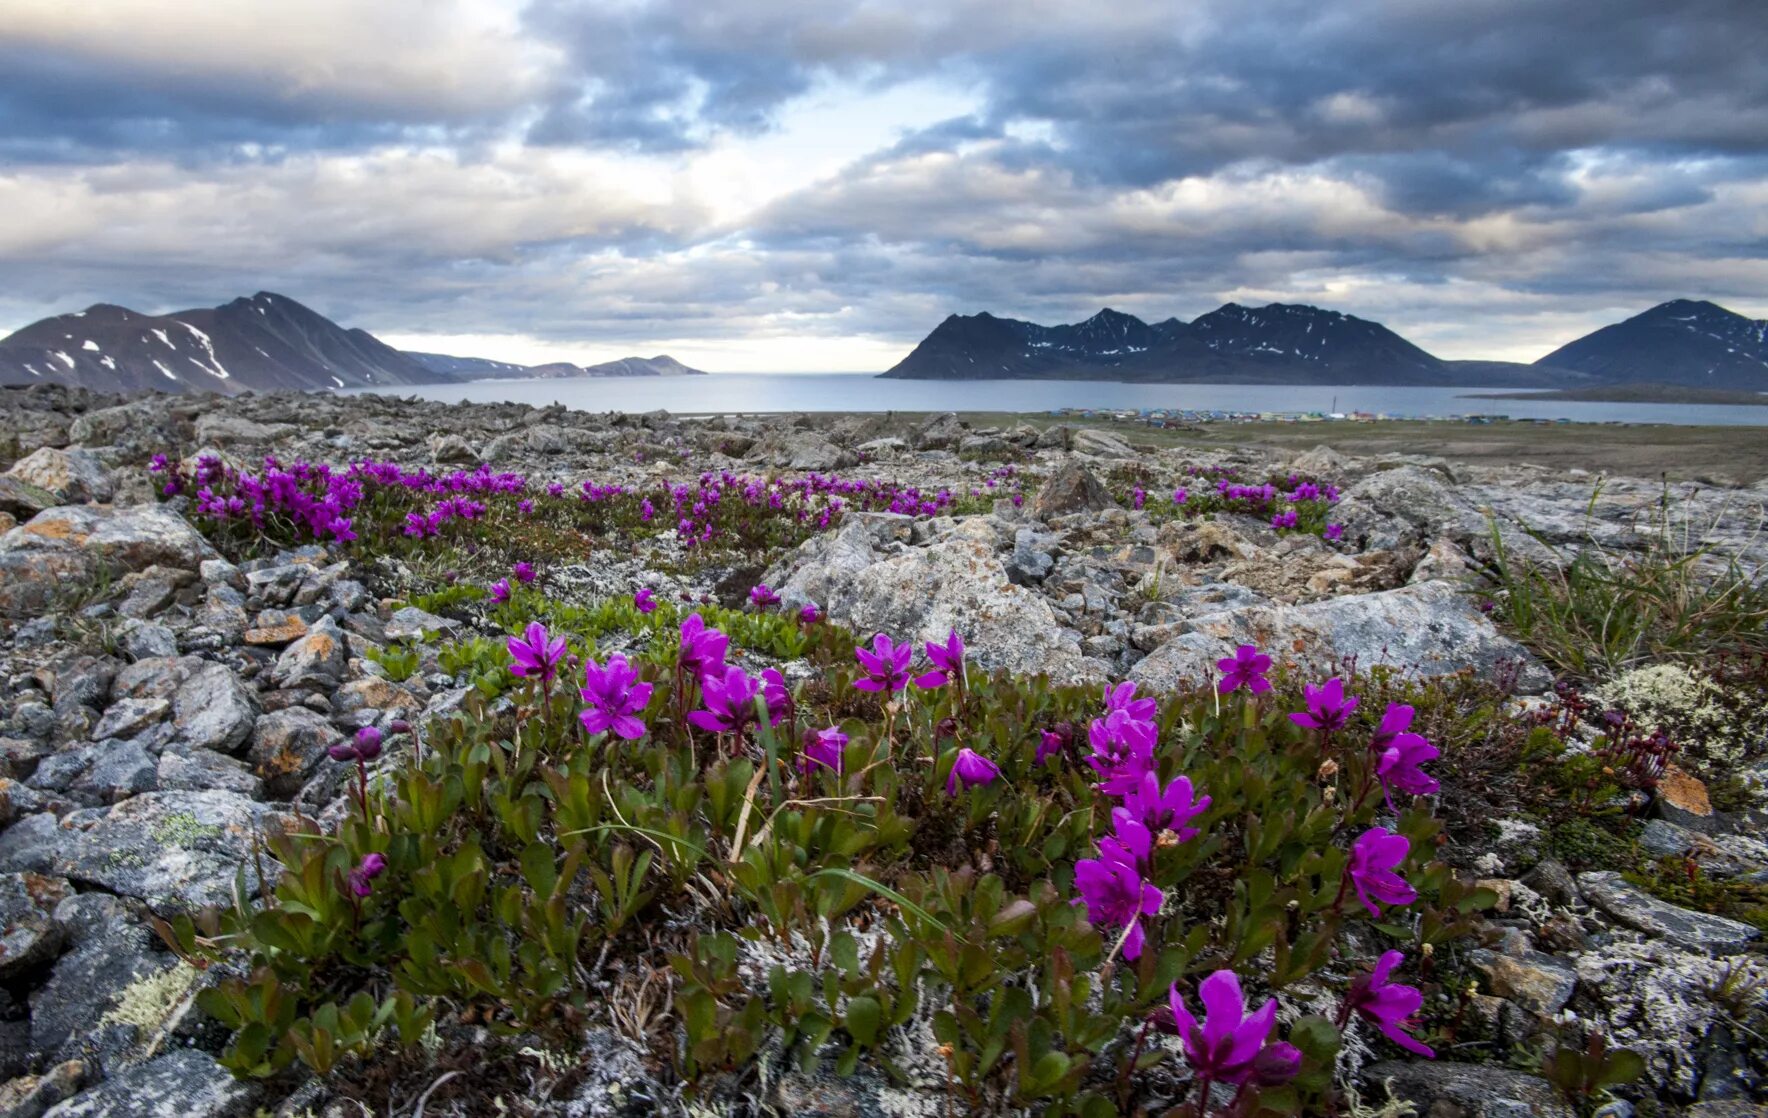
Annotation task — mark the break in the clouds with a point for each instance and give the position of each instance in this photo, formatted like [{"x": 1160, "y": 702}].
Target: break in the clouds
[{"x": 782, "y": 185}]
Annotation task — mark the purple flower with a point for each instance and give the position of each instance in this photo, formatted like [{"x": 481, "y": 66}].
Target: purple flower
[
  {"x": 761, "y": 596},
  {"x": 524, "y": 572},
  {"x": 1374, "y": 857},
  {"x": 365, "y": 746},
  {"x": 643, "y": 600},
  {"x": 886, "y": 666},
  {"x": 1165, "y": 809},
  {"x": 1123, "y": 697},
  {"x": 948, "y": 662},
  {"x": 1390, "y": 1005},
  {"x": 1246, "y": 668},
  {"x": 1049, "y": 746},
  {"x": 729, "y": 699},
  {"x": 1232, "y": 1046},
  {"x": 1395, "y": 720},
  {"x": 615, "y": 698},
  {"x": 1328, "y": 707},
  {"x": 1116, "y": 896},
  {"x": 1285, "y": 519},
  {"x": 809, "y": 613},
  {"x": 365, "y": 872},
  {"x": 536, "y": 653},
  {"x": 972, "y": 768},
  {"x": 1333, "y": 531},
  {"x": 1130, "y": 839},
  {"x": 702, "y": 649},
  {"x": 1398, "y": 767},
  {"x": 525, "y": 507},
  {"x": 776, "y": 695},
  {"x": 1123, "y": 751},
  {"x": 500, "y": 591},
  {"x": 822, "y": 747},
  {"x": 1138, "y": 497}
]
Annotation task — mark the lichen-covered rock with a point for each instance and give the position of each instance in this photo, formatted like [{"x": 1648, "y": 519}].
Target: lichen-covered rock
[
  {"x": 1440, "y": 1088},
  {"x": 1071, "y": 489},
  {"x": 1101, "y": 444},
  {"x": 29, "y": 935},
  {"x": 925, "y": 593},
  {"x": 72, "y": 476},
  {"x": 1539, "y": 983},
  {"x": 217, "y": 429},
  {"x": 1427, "y": 628},
  {"x": 1656, "y": 998},
  {"x": 315, "y": 661},
  {"x": 70, "y": 544},
  {"x": 1637, "y": 909},
  {"x": 214, "y": 710},
  {"x": 186, "y": 1083},
  {"x": 287, "y": 745},
  {"x": 127, "y": 717},
  {"x": 182, "y": 769},
  {"x": 174, "y": 850}
]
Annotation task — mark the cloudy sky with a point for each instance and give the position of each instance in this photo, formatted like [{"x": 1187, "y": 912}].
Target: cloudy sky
[{"x": 781, "y": 185}]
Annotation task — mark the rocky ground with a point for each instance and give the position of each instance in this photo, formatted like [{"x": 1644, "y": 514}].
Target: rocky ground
[{"x": 161, "y": 705}]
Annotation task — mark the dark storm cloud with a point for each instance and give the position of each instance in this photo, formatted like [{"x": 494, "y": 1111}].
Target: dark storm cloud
[{"x": 1395, "y": 155}]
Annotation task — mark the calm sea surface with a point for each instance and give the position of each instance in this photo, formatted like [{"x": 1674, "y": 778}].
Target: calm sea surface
[{"x": 771, "y": 392}]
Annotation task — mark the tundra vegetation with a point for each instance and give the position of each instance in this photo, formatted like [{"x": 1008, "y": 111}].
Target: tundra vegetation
[{"x": 635, "y": 825}]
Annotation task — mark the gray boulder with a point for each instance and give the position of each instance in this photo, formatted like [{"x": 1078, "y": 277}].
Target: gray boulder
[
  {"x": 186, "y": 1082},
  {"x": 1467, "y": 1090},
  {"x": 1073, "y": 488},
  {"x": 1427, "y": 628},
  {"x": 73, "y": 476},
  {"x": 214, "y": 710},
  {"x": 70, "y": 544},
  {"x": 29, "y": 935},
  {"x": 1637, "y": 909},
  {"x": 174, "y": 850}
]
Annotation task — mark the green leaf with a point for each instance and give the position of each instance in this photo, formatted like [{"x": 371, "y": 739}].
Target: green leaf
[{"x": 862, "y": 1019}]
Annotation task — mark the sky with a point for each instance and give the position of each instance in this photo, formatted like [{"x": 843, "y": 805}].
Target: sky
[{"x": 785, "y": 186}]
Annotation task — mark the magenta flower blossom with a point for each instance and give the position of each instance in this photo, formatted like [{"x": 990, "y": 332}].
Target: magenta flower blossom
[
  {"x": 1181, "y": 495},
  {"x": 1246, "y": 668},
  {"x": 886, "y": 666},
  {"x": 365, "y": 746},
  {"x": 366, "y": 871},
  {"x": 1285, "y": 519},
  {"x": 1374, "y": 858},
  {"x": 1329, "y": 708},
  {"x": 500, "y": 591},
  {"x": 536, "y": 653},
  {"x": 1123, "y": 751},
  {"x": 1138, "y": 497},
  {"x": 1334, "y": 532},
  {"x": 702, "y": 649},
  {"x": 644, "y": 600},
  {"x": 615, "y": 699},
  {"x": 1164, "y": 809},
  {"x": 729, "y": 699},
  {"x": 525, "y": 507},
  {"x": 1398, "y": 767},
  {"x": 972, "y": 768},
  {"x": 809, "y": 613},
  {"x": 1050, "y": 745},
  {"x": 1390, "y": 1005},
  {"x": 948, "y": 662},
  {"x": 1395, "y": 720},
  {"x": 1116, "y": 896},
  {"x": 524, "y": 572},
  {"x": 822, "y": 747},
  {"x": 1123, "y": 697},
  {"x": 1232, "y": 1046},
  {"x": 1129, "y": 839},
  {"x": 761, "y": 596},
  {"x": 776, "y": 695}
]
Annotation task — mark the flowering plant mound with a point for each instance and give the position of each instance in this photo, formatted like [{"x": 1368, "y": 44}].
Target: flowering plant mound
[
  {"x": 716, "y": 512},
  {"x": 1288, "y": 502},
  {"x": 953, "y": 858}
]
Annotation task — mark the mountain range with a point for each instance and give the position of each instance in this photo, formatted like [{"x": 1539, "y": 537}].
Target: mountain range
[
  {"x": 270, "y": 342},
  {"x": 1682, "y": 342},
  {"x": 266, "y": 343}
]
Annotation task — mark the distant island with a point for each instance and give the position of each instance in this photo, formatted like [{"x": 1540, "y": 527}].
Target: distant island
[
  {"x": 1680, "y": 343},
  {"x": 1636, "y": 394}
]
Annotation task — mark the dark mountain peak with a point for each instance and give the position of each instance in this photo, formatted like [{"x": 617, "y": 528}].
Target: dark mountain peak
[
  {"x": 1689, "y": 342},
  {"x": 268, "y": 342}
]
